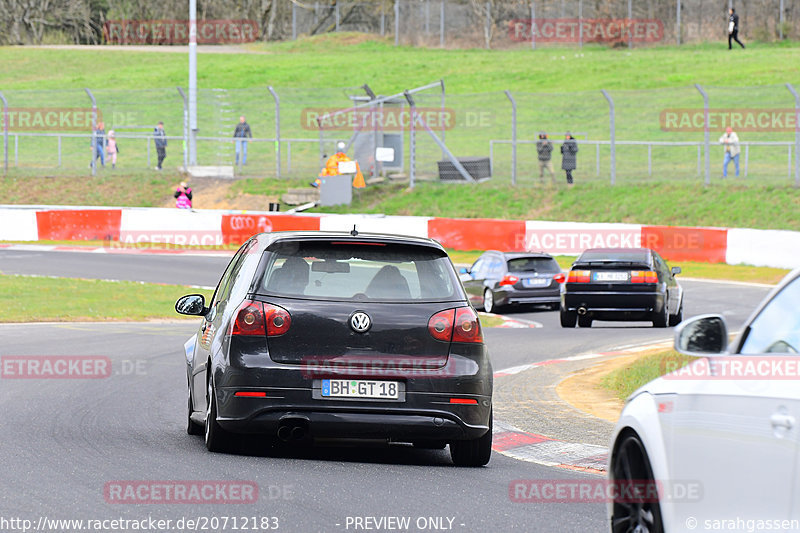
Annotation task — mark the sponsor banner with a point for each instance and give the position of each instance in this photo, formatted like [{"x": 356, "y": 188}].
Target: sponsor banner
[
  {"x": 773, "y": 248},
  {"x": 571, "y": 238},
  {"x": 749, "y": 120},
  {"x": 572, "y": 30},
  {"x": 163, "y": 32},
  {"x": 706, "y": 245},
  {"x": 54, "y": 367},
  {"x": 50, "y": 118},
  {"x": 79, "y": 224},
  {"x": 180, "y": 492},
  {"x": 238, "y": 228},
  {"x": 18, "y": 225},
  {"x": 478, "y": 234},
  {"x": 412, "y": 226}
]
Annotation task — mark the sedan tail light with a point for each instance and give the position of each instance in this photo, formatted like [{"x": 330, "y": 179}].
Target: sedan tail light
[
  {"x": 579, "y": 276},
  {"x": 456, "y": 325},
  {"x": 508, "y": 279},
  {"x": 644, "y": 276},
  {"x": 559, "y": 278},
  {"x": 257, "y": 318}
]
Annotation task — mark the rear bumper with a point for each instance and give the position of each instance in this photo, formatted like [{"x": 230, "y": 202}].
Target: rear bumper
[
  {"x": 614, "y": 304},
  {"x": 537, "y": 296}
]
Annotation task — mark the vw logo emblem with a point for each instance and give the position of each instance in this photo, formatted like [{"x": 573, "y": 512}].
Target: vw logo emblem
[{"x": 360, "y": 321}]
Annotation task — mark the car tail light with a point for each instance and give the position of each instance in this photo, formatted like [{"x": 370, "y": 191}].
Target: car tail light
[
  {"x": 278, "y": 320},
  {"x": 467, "y": 328},
  {"x": 579, "y": 276},
  {"x": 257, "y": 318},
  {"x": 644, "y": 276},
  {"x": 508, "y": 279},
  {"x": 560, "y": 278},
  {"x": 465, "y": 401},
  {"x": 456, "y": 325},
  {"x": 250, "y": 394},
  {"x": 440, "y": 325}
]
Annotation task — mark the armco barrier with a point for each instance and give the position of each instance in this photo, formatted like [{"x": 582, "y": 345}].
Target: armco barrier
[{"x": 135, "y": 225}]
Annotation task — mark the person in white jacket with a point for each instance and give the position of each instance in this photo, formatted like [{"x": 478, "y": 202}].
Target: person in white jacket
[{"x": 731, "y": 143}]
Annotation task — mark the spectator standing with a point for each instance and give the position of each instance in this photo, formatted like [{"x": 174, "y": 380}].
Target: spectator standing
[
  {"x": 569, "y": 157},
  {"x": 161, "y": 143},
  {"x": 183, "y": 196},
  {"x": 731, "y": 143},
  {"x": 733, "y": 28},
  {"x": 98, "y": 140},
  {"x": 544, "y": 151},
  {"x": 241, "y": 133},
  {"x": 113, "y": 149}
]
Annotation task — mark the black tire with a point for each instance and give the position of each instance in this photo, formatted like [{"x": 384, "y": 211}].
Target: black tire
[
  {"x": 476, "y": 452},
  {"x": 192, "y": 427},
  {"x": 568, "y": 319},
  {"x": 217, "y": 439},
  {"x": 584, "y": 322},
  {"x": 661, "y": 319},
  {"x": 676, "y": 319},
  {"x": 488, "y": 301},
  {"x": 631, "y": 464}
]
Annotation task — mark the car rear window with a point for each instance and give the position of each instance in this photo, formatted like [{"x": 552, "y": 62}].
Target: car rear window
[
  {"x": 366, "y": 271},
  {"x": 621, "y": 255},
  {"x": 533, "y": 264}
]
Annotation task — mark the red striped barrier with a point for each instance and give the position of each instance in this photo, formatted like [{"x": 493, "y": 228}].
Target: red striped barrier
[
  {"x": 478, "y": 234},
  {"x": 706, "y": 245}
]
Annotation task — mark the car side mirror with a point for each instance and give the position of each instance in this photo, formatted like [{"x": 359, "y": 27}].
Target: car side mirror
[
  {"x": 675, "y": 271},
  {"x": 702, "y": 335},
  {"x": 191, "y": 304}
]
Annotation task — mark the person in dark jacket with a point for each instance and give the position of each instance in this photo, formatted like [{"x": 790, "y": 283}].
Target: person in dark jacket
[
  {"x": 161, "y": 143},
  {"x": 240, "y": 134},
  {"x": 544, "y": 150},
  {"x": 569, "y": 158},
  {"x": 733, "y": 28}
]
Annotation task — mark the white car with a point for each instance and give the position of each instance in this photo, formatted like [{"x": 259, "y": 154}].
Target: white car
[{"x": 719, "y": 438}]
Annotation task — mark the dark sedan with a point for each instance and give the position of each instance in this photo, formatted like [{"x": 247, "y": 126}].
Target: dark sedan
[
  {"x": 323, "y": 335},
  {"x": 621, "y": 284},
  {"x": 498, "y": 279}
]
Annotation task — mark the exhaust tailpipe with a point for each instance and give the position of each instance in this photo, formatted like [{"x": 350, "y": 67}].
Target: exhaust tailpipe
[
  {"x": 298, "y": 432},
  {"x": 285, "y": 433},
  {"x": 582, "y": 311}
]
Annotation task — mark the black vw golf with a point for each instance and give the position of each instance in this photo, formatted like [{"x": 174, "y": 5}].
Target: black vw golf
[{"x": 324, "y": 335}]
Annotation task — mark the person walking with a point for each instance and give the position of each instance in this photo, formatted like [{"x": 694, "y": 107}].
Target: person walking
[
  {"x": 569, "y": 157},
  {"x": 113, "y": 149},
  {"x": 733, "y": 28},
  {"x": 731, "y": 143},
  {"x": 99, "y": 141},
  {"x": 161, "y": 143},
  {"x": 241, "y": 133},
  {"x": 544, "y": 151},
  {"x": 183, "y": 196}
]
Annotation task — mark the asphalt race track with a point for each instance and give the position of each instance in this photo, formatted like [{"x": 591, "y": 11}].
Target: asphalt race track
[{"x": 65, "y": 441}]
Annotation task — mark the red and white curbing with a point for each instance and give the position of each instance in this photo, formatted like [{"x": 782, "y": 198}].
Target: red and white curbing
[
  {"x": 548, "y": 451},
  {"x": 516, "y": 323}
]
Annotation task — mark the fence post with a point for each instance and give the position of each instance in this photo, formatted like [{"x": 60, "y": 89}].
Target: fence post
[
  {"x": 442, "y": 106},
  {"x": 533, "y": 22},
  {"x": 336, "y": 11},
  {"x": 513, "y": 137},
  {"x": 796, "y": 134},
  {"x": 780, "y": 21},
  {"x": 185, "y": 129},
  {"x": 94, "y": 127},
  {"x": 396, "y": 22},
  {"x": 412, "y": 141},
  {"x": 427, "y": 18},
  {"x": 5, "y": 133},
  {"x": 612, "y": 136},
  {"x": 192, "y": 82},
  {"x": 383, "y": 19},
  {"x": 705, "y": 133},
  {"x": 441, "y": 25},
  {"x": 630, "y": 15},
  {"x": 678, "y": 23},
  {"x": 277, "y": 130},
  {"x": 580, "y": 23},
  {"x": 294, "y": 21}
]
